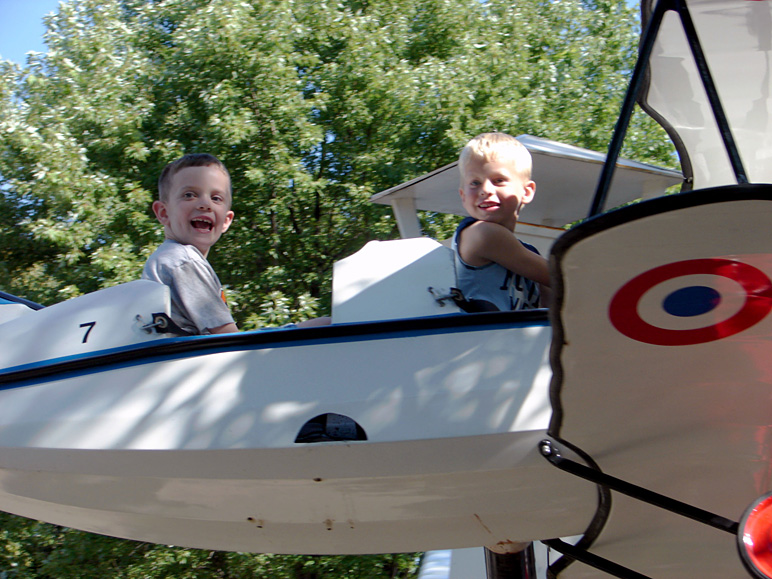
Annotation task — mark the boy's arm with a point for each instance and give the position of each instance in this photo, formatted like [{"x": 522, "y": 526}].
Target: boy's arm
[
  {"x": 315, "y": 322},
  {"x": 483, "y": 242},
  {"x": 197, "y": 292},
  {"x": 224, "y": 329}
]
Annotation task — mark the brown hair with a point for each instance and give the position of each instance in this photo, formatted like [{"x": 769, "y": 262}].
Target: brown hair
[{"x": 190, "y": 160}]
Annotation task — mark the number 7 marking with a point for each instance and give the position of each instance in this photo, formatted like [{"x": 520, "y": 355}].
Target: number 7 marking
[{"x": 90, "y": 326}]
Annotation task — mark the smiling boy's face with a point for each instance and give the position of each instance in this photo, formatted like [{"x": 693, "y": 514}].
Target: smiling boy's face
[
  {"x": 494, "y": 191},
  {"x": 197, "y": 209}
]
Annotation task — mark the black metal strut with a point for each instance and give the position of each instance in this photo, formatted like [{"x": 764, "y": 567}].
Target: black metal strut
[
  {"x": 593, "y": 560},
  {"x": 552, "y": 454}
]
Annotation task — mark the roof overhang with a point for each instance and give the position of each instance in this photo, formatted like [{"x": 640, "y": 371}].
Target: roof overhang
[{"x": 565, "y": 176}]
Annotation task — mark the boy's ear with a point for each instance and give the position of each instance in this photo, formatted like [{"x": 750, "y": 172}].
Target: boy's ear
[
  {"x": 159, "y": 208},
  {"x": 529, "y": 190},
  {"x": 228, "y": 221}
]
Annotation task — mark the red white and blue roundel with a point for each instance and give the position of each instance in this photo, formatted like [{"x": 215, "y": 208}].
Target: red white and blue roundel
[{"x": 691, "y": 302}]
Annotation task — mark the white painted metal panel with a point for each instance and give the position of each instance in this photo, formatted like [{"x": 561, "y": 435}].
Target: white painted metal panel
[
  {"x": 736, "y": 37},
  {"x": 388, "y": 280},
  {"x": 688, "y": 419},
  {"x": 98, "y": 321}
]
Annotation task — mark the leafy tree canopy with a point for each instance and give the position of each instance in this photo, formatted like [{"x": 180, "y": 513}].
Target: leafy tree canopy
[
  {"x": 30, "y": 550},
  {"x": 313, "y": 106}
]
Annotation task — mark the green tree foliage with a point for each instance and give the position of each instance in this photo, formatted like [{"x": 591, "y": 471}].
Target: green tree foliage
[
  {"x": 31, "y": 550},
  {"x": 314, "y": 105}
]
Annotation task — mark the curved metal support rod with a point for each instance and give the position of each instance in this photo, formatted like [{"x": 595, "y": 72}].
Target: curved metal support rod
[
  {"x": 711, "y": 92},
  {"x": 626, "y": 112},
  {"x": 552, "y": 454}
]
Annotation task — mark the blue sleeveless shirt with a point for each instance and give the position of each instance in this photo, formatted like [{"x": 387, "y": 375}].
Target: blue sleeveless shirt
[{"x": 494, "y": 283}]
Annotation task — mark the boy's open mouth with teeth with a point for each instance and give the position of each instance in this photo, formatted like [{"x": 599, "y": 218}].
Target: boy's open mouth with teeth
[{"x": 202, "y": 223}]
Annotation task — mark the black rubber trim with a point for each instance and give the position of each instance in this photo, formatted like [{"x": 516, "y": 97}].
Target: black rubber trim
[
  {"x": 18, "y": 300},
  {"x": 674, "y": 202},
  {"x": 187, "y": 346}
]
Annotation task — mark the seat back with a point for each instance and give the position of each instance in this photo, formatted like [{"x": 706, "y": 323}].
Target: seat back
[
  {"x": 10, "y": 311},
  {"x": 100, "y": 320},
  {"x": 391, "y": 279}
]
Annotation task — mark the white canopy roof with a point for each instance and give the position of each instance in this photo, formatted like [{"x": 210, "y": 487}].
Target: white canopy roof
[{"x": 565, "y": 176}]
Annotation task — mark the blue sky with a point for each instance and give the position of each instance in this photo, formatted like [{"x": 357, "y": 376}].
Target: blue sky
[{"x": 21, "y": 27}]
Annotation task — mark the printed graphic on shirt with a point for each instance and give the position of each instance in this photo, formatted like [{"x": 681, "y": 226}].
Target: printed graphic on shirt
[{"x": 523, "y": 292}]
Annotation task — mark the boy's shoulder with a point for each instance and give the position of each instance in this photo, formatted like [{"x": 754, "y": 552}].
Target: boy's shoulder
[
  {"x": 173, "y": 256},
  {"x": 465, "y": 222},
  {"x": 174, "y": 251},
  {"x": 485, "y": 232}
]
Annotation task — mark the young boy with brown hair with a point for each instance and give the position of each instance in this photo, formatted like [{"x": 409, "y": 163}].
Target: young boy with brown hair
[
  {"x": 194, "y": 206},
  {"x": 494, "y": 270}
]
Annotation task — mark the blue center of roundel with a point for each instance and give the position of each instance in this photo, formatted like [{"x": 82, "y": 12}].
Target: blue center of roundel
[{"x": 691, "y": 301}]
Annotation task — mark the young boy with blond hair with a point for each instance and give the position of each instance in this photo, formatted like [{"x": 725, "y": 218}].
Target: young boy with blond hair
[
  {"x": 494, "y": 270},
  {"x": 194, "y": 206}
]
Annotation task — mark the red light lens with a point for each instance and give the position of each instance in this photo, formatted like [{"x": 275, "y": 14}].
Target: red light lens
[{"x": 754, "y": 538}]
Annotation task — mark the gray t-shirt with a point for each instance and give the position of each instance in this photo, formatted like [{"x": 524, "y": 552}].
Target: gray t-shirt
[
  {"x": 197, "y": 297},
  {"x": 494, "y": 283}
]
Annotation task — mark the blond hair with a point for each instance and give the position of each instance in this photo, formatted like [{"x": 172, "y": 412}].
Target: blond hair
[{"x": 497, "y": 147}]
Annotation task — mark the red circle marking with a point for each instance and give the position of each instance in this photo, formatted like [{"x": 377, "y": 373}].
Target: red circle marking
[{"x": 623, "y": 310}]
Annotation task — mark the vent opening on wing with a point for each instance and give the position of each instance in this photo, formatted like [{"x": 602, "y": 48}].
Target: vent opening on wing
[{"x": 331, "y": 427}]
